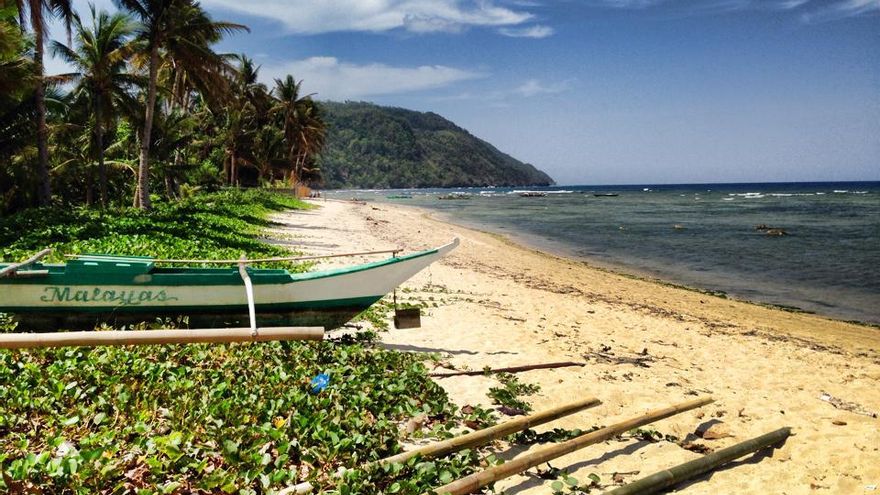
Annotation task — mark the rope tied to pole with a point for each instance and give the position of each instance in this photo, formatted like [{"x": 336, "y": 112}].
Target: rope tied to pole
[{"x": 249, "y": 292}]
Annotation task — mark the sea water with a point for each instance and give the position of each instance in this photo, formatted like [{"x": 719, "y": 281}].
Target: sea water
[{"x": 703, "y": 236}]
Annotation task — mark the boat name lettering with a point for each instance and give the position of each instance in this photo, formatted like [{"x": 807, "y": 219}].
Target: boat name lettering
[{"x": 120, "y": 297}]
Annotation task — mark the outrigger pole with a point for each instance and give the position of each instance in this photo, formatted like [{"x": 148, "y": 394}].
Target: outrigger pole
[
  {"x": 153, "y": 337},
  {"x": 466, "y": 441},
  {"x": 262, "y": 260},
  {"x": 474, "y": 482},
  {"x": 11, "y": 269},
  {"x": 691, "y": 469},
  {"x": 484, "y": 436}
]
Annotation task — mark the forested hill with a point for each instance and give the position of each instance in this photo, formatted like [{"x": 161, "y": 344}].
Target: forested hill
[{"x": 369, "y": 146}]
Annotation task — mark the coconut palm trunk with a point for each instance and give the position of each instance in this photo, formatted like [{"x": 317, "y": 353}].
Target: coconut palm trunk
[
  {"x": 233, "y": 170},
  {"x": 99, "y": 143},
  {"x": 142, "y": 197},
  {"x": 44, "y": 187}
]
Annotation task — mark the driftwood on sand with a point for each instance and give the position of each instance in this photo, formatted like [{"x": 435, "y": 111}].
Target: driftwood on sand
[
  {"x": 605, "y": 355},
  {"x": 846, "y": 405},
  {"x": 509, "y": 369},
  {"x": 486, "y": 435},
  {"x": 691, "y": 469},
  {"x": 473, "y": 439},
  {"x": 474, "y": 482}
]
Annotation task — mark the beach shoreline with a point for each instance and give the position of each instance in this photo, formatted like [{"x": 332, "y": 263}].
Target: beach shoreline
[
  {"x": 818, "y": 258},
  {"x": 534, "y": 243},
  {"x": 495, "y": 303}
]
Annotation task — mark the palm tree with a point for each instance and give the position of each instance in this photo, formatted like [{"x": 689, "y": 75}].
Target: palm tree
[
  {"x": 289, "y": 102},
  {"x": 16, "y": 69},
  {"x": 311, "y": 136},
  {"x": 268, "y": 152},
  {"x": 100, "y": 57},
  {"x": 302, "y": 126},
  {"x": 181, "y": 32},
  {"x": 38, "y": 10},
  {"x": 246, "y": 114},
  {"x": 17, "y": 80},
  {"x": 17, "y": 83}
]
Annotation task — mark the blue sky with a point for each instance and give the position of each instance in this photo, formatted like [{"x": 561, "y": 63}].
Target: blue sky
[{"x": 602, "y": 91}]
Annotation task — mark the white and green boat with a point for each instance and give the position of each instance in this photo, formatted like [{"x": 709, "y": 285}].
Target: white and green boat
[{"x": 90, "y": 289}]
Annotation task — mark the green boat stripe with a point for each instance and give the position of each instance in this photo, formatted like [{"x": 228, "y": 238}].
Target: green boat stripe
[
  {"x": 291, "y": 306},
  {"x": 178, "y": 277}
]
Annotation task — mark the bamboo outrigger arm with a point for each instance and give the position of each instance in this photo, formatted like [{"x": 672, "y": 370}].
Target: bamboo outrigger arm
[
  {"x": 691, "y": 469},
  {"x": 473, "y": 439},
  {"x": 151, "y": 337},
  {"x": 11, "y": 269},
  {"x": 484, "y": 436},
  {"x": 474, "y": 482},
  {"x": 264, "y": 260}
]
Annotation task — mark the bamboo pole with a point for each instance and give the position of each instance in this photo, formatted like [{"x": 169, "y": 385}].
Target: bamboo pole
[
  {"x": 672, "y": 476},
  {"x": 510, "y": 369},
  {"x": 487, "y": 435},
  {"x": 262, "y": 260},
  {"x": 475, "y": 481},
  {"x": 469, "y": 440},
  {"x": 150, "y": 337},
  {"x": 17, "y": 266}
]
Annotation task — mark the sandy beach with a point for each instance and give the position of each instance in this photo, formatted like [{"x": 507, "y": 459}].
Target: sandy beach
[{"x": 494, "y": 303}]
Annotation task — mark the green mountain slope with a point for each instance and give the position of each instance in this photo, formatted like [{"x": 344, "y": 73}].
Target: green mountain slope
[{"x": 370, "y": 146}]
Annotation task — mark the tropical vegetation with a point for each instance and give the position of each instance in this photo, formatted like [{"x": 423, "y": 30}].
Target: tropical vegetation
[
  {"x": 239, "y": 418},
  {"x": 141, "y": 149},
  {"x": 149, "y": 110},
  {"x": 371, "y": 146}
]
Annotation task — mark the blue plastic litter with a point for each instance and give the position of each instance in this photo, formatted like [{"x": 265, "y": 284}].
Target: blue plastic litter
[{"x": 320, "y": 382}]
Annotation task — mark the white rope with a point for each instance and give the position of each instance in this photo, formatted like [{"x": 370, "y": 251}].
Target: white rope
[{"x": 249, "y": 291}]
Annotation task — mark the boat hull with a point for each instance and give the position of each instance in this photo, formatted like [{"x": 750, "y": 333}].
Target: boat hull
[
  {"x": 66, "y": 298},
  {"x": 328, "y": 318}
]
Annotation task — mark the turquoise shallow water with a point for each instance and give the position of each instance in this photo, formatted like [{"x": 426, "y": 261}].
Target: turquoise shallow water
[{"x": 702, "y": 236}]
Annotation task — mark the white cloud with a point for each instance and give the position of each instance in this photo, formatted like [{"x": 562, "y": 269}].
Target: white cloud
[
  {"x": 338, "y": 80},
  {"x": 810, "y": 10},
  {"x": 842, "y": 9},
  {"x": 530, "y": 88},
  {"x": 536, "y": 31},
  {"x": 627, "y": 4},
  {"x": 311, "y": 17},
  {"x": 534, "y": 87}
]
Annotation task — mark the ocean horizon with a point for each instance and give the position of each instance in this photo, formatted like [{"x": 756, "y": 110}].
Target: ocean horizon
[{"x": 804, "y": 246}]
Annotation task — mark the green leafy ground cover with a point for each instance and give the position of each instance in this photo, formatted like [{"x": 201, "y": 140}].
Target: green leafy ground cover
[
  {"x": 238, "y": 418},
  {"x": 220, "y": 225},
  {"x": 212, "y": 419}
]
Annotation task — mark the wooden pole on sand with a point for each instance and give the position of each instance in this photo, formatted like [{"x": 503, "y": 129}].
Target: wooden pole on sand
[
  {"x": 475, "y": 481},
  {"x": 469, "y": 440},
  {"x": 487, "y": 435},
  {"x": 150, "y": 337},
  {"x": 696, "y": 467},
  {"x": 509, "y": 369}
]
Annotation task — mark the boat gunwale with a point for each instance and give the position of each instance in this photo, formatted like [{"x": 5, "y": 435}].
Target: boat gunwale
[{"x": 261, "y": 276}]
